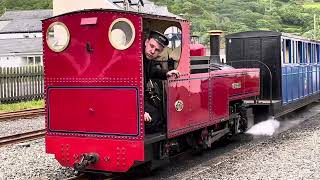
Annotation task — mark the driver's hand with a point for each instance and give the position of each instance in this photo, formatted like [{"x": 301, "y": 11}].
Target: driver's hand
[
  {"x": 173, "y": 73},
  {"x": 147, "y": 117}
]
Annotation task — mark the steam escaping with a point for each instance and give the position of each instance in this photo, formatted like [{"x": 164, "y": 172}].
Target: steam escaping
[
  {"x": 264, "y": 128},
  {"x": 272, "y": 126}
]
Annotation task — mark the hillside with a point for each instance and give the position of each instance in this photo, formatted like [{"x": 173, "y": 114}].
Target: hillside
[
  {"x": 24, "y": 4},
  {"x": 292, "y": 16}
]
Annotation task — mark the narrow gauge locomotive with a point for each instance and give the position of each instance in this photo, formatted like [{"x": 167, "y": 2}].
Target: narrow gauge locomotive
[
  {"x": 93, "y": 62},
  {"x": 289, "y": 64}
]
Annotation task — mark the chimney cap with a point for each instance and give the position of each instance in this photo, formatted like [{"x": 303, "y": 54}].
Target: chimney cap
[{"x": 215, "y": 32}]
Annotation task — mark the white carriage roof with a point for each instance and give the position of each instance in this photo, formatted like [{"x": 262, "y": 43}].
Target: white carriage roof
[
  {"x": 299, "y": 38},
  {"x": 251, "y": 34},
  {"x": 20, "y": 46}
]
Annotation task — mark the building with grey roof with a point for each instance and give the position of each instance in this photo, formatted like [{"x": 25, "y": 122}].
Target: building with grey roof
[
  {"x": 23, "y": 21},
  {"x": 20, "y": 52},
  {"x": 26, "y": 14},
  {"x": 21, "y": 31},
  {"x": 21, "y": 37}
]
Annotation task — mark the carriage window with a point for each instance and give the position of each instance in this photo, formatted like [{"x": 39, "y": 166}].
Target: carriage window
[
  {"x": 299, "y": 58},
  {"x": 317, "y": 53},
  {"x": 305, "y": 52},
  {"x": 58, "y": 37},
  {"x": 314, "y": 53},
  {"x": 308, "y": 53},
  {"x": 294, "y": 50},
  {"x": 287, "y": 51},
  {"x": 121, "y": 33}
]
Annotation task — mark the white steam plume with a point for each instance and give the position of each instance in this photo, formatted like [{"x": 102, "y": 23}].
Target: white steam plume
[{"x": 265, "y": 128}]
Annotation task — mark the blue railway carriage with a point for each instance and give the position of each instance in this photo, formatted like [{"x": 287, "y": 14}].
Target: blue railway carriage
[{"x": 289, "y": 65}]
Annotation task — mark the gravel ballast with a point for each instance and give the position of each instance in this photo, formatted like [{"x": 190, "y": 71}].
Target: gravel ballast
[
  {"x": 292, "y": 154},
  {"x": 21, "y": 162},
  {"x": 21, "y": 125}
]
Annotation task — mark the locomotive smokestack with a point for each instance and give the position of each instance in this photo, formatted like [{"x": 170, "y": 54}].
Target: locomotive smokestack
[{"x": 215, "y": 45}]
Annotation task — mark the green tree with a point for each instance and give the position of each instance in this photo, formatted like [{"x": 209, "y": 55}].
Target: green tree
[{"x": 25, "y": 5}]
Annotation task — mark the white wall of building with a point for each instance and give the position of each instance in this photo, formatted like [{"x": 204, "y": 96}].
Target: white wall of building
[
  {"x": 19, "y": 61},
  {"x": 63, "y": 6},
  {"x": 20, "y": 35}
]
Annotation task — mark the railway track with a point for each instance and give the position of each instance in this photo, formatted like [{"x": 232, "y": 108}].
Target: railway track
[
  {"x": 22, "y": 137},
  {"x": 86, "y": 177},
  {"x": 93, "y": 176},
  {"x": 20, "y": 114}
]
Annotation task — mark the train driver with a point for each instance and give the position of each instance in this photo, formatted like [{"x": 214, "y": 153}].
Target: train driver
[{"x": 154, "y": 45}]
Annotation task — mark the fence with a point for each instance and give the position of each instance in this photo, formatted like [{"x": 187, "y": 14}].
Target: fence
[{"x": 21, "y": 83}]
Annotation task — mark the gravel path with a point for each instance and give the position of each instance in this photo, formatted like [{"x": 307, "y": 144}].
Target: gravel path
[
  {"x": 293, "y": 154},
  {"x": 19, "y": 162},
  {"x": 21, "y": 125},
  {"x": 290, "y": 155},
  {"x": 28, "y": 160}
]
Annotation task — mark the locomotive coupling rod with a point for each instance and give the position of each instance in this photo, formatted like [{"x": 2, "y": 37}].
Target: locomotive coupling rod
[{"x": 85, "y": 161}]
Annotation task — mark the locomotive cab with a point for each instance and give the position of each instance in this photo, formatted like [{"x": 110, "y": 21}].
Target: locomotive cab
[
  {"x": 167, "y": 60},
  {"x": 174, "y": 56}
]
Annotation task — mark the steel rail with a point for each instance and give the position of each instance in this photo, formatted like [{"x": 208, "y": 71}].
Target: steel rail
[
  {"x": 20, "y": 114},
  {"x": 86, "y": 177},
  {"x": 22, "y": 137}
]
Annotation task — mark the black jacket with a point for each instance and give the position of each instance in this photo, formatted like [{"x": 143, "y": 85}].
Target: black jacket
[{"x": 153, "y": 70}]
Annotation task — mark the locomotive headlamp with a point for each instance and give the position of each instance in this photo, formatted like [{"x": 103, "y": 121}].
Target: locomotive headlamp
[
  {"x": 121, "y": 33},
  {"x": 58, "y": 37}
]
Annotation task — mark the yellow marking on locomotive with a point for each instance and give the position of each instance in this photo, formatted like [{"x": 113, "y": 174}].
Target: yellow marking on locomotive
[{"x": 236, "y": 85}]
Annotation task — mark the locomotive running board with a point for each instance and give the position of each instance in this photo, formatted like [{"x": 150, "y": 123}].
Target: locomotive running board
[{"x": 152, "y": 138}]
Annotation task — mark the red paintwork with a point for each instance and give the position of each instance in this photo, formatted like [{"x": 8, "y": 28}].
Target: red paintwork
[
  {"x": 178, "y": 91},
  {"x": 207, "y": 99},
  {"x": 98, "y": 110},
  {"x": 197, "y": 50},
  {"x": 86, "y": 117},
  {"x": 248, "y": 78},
  {"x": 184, "y": 63},
  {"x": 94, "y": 100},
  {"x": 114, "y": 155},
  {"x": 220, "y": 103}
]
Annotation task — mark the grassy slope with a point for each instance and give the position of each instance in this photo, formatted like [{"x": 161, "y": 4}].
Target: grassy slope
[
  {"x": 21, "y": 106},
  {"x": 311, "y": 5}
]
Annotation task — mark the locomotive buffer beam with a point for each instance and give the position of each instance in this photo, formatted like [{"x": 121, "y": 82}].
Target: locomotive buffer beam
[{"x": 85, "y": 161}]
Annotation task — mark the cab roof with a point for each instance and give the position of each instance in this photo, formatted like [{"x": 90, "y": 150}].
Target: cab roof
[{"x": 143, "y": 15}]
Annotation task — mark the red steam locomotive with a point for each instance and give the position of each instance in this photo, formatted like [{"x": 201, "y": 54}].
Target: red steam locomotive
[{"x": 94, "y": 87}]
